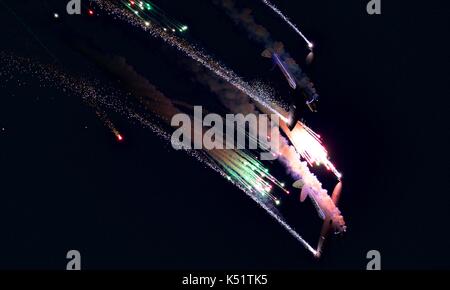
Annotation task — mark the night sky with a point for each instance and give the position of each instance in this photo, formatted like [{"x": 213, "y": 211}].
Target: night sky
[{"x": 65, "y": 183}]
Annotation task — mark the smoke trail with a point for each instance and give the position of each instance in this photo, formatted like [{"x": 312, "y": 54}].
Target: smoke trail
[
  {"x": 277, "y": 11},
  {"x": 260, "y": 34},
  {"x": 146, "y": 93}
]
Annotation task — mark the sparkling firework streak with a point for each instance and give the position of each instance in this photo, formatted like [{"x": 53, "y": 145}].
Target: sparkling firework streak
[
  {"x": 277, "y": 11},
  {"x": 258, "y": 94},
  {"x": 309, "y": 145},
  {"x": 152, "y": 14},
  {"x": 246, "y": 172},
  {"x": 244, "y": 168},
  {"x": 292, "y": 82}
]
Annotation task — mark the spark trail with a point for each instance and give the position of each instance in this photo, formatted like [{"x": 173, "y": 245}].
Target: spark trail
[
  {"x": 243, "y": 167},
  {"x": 109, "y": 124},
  {"x": 277, "y": 11},
  {"x": 258, "y": 94},
  {"x": 309, "y": 145},
  {"x": 247, "y": 173},
  {"x": 154, "y": 15}
]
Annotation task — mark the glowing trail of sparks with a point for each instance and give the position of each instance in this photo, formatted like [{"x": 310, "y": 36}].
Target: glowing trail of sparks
[
  {"x": 108, "y": 123},
  {"x": 256, "y": 93},
  {"x": 309, "y": 145},
  {"x": 92, "y": 93},
  {"x": 247, "y": 173},
  {"x": 244, "y": 168},
  {"x": 277, "y": 11}
]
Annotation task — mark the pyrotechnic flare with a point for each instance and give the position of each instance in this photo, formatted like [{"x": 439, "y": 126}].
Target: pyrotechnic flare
[
  {"x": 309, "y": 145},
  {"x": 277, "y": 11},
  {"x": 239, "y": 167},
  {"x": 109, "y": 124},
  {"x": 152, "y": 14}
]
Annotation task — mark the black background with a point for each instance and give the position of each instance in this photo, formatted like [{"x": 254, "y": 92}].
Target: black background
[{"x": 66, "y": 184}]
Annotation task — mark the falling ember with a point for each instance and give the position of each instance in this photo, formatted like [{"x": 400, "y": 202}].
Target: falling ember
[
  {"x": 91, "y": 12},
  {"x": 108, "y": 123}
]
